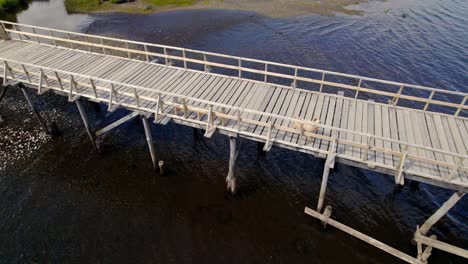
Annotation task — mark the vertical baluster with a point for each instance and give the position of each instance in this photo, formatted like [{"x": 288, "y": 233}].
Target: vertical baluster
[
  {"x": 69, "y": 38},
  {"x": 240, "y": 68},
  {"x": 146, "y": 53},
  {"x": 266, "y": 71},
  {"x": 165, "y": 56},
  {"x": 462, "y": 104},
  {"x": 35, "y": 33},
  {"x": 294, "y": 84},
  {"x": 128, "y": 51},
  {"x": 59, "y": 81},
  {"x": 26, "y": 73},
  {"x": 358, "y": 87},
  {"x": 185, "y": 58},
  {"x": 397, "y": 98},
  {"x": 429, "y": 100},
  {"x": 323, "y": 79},
  {"x": 101, "y": 42},
  {"x": 17, "y": 32},
  {"x": 53, "y": 37}
]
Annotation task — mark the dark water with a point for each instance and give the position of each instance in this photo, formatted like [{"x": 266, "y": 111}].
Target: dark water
[{"x": 66, "y": 204}]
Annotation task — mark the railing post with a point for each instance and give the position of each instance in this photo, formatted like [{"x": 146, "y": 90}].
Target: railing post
[
  {"x": 429, "y": 100},
  {"x": 3, "y": 33},
  {"x": 7, "y": 70},
  {"x": 69, "y": 38},
  {"x": 93, "y": 87},
  {"x": 87, "y": 41},
  {"x": 239, "y": 120},
  {"x": 165, "y": 56},
  {"x": 35, "y": 33},
  {"x": 146, "y": 53},
  {"x": 53, "y": 37},
  {"x": 184, "y": 105},
  {"x": 128, "y": 52},
  {"x": 26, "y": 73},
  {"x": 462, "y": 104},
  {"x": 397, "y": 98},
  {"x": 59, "y": 81},
  {"x": 358, "y": 87},
  {"x": 137, "y": 97},
  {"x": 185, "y": 59},
  {"x": 102, "y": 46},
  {"x": 323, "y": 79},
  {"x": 240, "y": 67},
  {"x": 266, "y": 71},
  {"x": 294, "y": 83}
]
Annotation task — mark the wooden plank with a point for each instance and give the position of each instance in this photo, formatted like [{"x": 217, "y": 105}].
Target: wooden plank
[
  {"x": 308, "y": 102},
  {"x": 349, "y": 151},
  {"x": 325, "y": 144},
  {"x": 394, "y": 134},
  {"x": 294, "y": 114},
  {"x": 358, "y": 126},
  {"x": 315, "y": 103},
  {"x": 287, "y": 112},
  {"x": 343, "y": 124},
  {"x": 418, "y": 140},
  {"x": 275, "y": 110},
  {"x": 314, "y": 111},
  {"x": 459, "y": 142},
  {"x": 269, "y": 108},
  {"x": 388, "y": 159},
  {"x": 451, "y": 133},
  {"x": 436, "y": 143},
  {"x": 379, "y": 132}
]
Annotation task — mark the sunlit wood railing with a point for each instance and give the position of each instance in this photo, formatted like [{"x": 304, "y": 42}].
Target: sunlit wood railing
[
  {"x": 212, "y": 116},
  {"x": 395, "y": 93}
]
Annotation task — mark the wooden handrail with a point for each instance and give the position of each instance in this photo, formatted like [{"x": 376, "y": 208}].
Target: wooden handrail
[
  {"x": 222, "y": 114},
  {"x": 295, "y": 77}
]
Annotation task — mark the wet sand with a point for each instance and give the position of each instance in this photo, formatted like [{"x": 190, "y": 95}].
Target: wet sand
[{"x": 271, "y": 8}]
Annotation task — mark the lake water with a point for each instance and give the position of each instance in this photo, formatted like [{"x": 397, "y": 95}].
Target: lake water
[{"x": 66, "y": 204}]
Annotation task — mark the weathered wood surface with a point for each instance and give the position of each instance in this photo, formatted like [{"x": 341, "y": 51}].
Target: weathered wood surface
[{"x": 202, "y": 89}]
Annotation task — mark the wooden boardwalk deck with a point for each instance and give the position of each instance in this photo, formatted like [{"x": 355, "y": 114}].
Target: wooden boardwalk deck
[
  {"x": 404, "y": 130},
  {"x": 373, "y": 134}
]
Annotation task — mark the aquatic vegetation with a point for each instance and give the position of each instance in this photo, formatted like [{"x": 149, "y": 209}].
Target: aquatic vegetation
[
  {"x": 9, "y": 8},
  {"x": 140, "y": 6}
]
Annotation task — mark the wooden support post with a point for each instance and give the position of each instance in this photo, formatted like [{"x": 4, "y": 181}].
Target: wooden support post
[
  {"x": 3, "y": 92},
  {"x": 36, "y": 113},
  {"x": 117, "y": 123},
  {"x": 441, "y": 212},
  {"x": 149, "y": 139},
  {"x": 371, "y": 241},
  {"x": 329, "y": 164},
  {"x": 231, "y": 178},
  {"x": 84, "y": 118}
]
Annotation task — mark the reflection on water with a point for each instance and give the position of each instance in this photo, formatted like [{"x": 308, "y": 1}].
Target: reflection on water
[
  {"x": 71, "y": 205},
  {"x": 52, "y": 14}
]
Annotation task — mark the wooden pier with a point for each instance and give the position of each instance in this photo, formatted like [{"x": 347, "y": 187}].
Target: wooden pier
[{"x": 402, "y": 130}]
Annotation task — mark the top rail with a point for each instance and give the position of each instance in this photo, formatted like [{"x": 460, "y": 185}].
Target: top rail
[{"x": 296, "y": 77}]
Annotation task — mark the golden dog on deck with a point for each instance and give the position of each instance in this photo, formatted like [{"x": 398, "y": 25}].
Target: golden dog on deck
[{"x": 310, "y": 128}]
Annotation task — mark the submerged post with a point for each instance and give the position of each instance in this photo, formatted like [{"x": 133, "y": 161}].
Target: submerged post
[
  {"x": 86, "y": 124},
  {"x": 149, "y": 139},
  {"x": 36, "y": 113},
  {"x": 231, "y": 178}
]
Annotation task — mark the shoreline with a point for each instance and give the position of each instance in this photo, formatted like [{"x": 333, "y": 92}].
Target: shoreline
[{"x": 271, "y": 8}]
